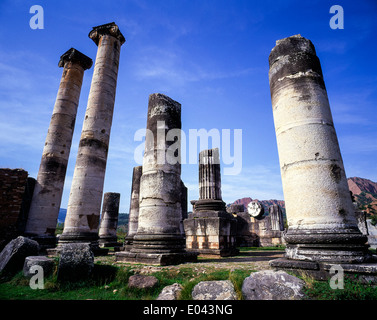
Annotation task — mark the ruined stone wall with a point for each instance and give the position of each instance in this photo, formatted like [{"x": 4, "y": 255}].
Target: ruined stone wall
[{"x": 12, "y": 188}]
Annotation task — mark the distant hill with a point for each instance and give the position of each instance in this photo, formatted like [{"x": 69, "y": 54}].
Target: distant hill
[
  {"x": 122, "y": 218},
  {"x": 266, "y": 203},
  {"x": 365, "y": 193}
]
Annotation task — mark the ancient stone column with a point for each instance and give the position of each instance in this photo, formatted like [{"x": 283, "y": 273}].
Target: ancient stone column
[
  {"x": 84, "y": 205},
  {"x": 159, "y": 239},
  {"x": 277, "y": 219},
  {"x": 45, "y": 205},
  {"x": 109, "y": 220},
  {"x": 321, "y": 219},
  {"x": 209, "y": 181},
  {"x": 209, "y": 174},
  {"x": 184, "y": 203},
  {"x": 133, "y": 217},
  {"x": 210, "y": 229}
]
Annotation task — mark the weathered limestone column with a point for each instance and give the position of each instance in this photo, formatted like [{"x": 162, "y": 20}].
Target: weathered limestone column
[
  {"x": 45, "y": 205},
  {"x": 321, "y": 219},
  {"x": 159, "y": 239},
  {"x": 210, "y": 229},
  {"x": 133, "y": 217},
  {"x": 184, "y": 203},
  {"x": 109, "y": 221},
  {"x": 209, "y": 175},
  {"x": 277, "y": 219},
  {"x": 84, "y": 205},
  {"x": 209, "y": 181}
]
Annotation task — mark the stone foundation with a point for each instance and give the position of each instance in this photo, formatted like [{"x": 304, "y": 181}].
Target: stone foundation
[{"x": 366, "y": 272}]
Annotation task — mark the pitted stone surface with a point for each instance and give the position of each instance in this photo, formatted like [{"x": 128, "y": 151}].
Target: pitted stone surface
[
  {"x": 76, "y": 261},
  {"x": 142, "y": 282},
  {"x": 272, "y": 285},
  {"x": 171, "y": 292},
  {"x": 214, "y": 290}
]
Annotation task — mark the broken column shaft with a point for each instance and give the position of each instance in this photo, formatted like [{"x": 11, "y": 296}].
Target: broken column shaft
[
  {"x": 45, "y": 205},
  {"x": 109, "y": 220},
  {"x": 84, "y": 205},
  {"x": 321, "y": 218},
  {"x": 159, "y": 239},
  {"x": 133, "y": 217}
]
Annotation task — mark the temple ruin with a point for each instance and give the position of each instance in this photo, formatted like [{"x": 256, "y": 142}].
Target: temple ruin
[
  {"x": 324, "y": 226},
  {"x": 210, "y": 229}
]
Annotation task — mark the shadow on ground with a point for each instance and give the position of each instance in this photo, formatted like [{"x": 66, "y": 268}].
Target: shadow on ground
[{"x": 248, "y": 256}]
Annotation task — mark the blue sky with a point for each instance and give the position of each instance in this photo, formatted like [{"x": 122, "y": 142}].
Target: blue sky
[{"x": 209, "y": 55}]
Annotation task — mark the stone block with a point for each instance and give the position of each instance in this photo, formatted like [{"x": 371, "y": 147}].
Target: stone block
[
  {"x": 272, "y": 285},
  {"x": 46, "y": 263},
  {"x": 142, "y": 282},
  {"x": 76, "y": 261},
  {"x": 171, "y": 292},
  {"x": 214, "y": 290},
  {"x": 13, "y": 255}
]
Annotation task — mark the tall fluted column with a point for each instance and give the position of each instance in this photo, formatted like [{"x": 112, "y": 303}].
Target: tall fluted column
[
  {"x": 109, "y": 221},
  {"x": 45, "y": 205},
  {"x": 84, "y": 205},
  {"x": 210, "y": 229},
  {"x": 321, "y": 218},
  {"x": 133, "y": 217},
  {"x": 209, "y": 174}
]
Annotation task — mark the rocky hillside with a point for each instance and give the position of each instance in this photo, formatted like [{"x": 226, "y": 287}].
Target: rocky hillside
[
  {"x": 365, "y": 193},
  {"x": 266, "y": 203}
]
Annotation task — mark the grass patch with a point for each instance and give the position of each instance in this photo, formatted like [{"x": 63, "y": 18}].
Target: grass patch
[
  {"x": 353, "y": 289},
  {"x": 109, "y": 282}
]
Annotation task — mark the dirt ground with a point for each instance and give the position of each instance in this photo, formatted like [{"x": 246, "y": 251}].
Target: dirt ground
[{"x": 249, "y": 260}]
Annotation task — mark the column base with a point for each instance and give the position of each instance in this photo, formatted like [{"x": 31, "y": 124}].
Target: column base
[
  {"x": 161, "y": 259},
  {"x": 366, "y": 272},
  {"x": 211, "y": 233},
  {"x": 128, "y": 243},
  {"x": 343, "y": 246},
  {"x": 224, "y": 252},
  {"x": 158, "y": 243},
  {"x": 109, "y": 242},
  {"x": 81, "y": 237}
]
